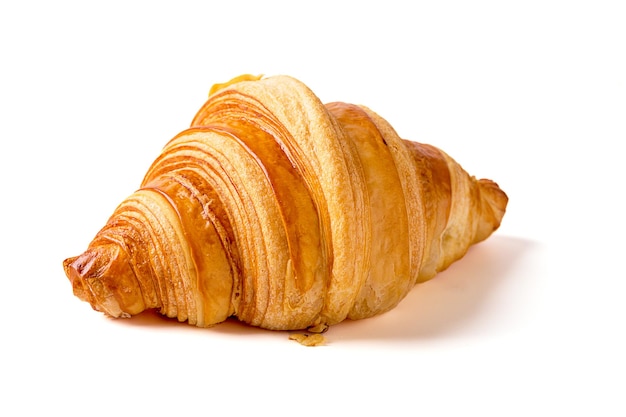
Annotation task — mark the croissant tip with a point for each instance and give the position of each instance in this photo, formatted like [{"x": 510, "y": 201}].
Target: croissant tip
[
  {"x": 497, "y": 198},
  {"x": 74, "y": 277},
  {"x": 495, "y": 201},
  {"x": 88, "y": 273}
]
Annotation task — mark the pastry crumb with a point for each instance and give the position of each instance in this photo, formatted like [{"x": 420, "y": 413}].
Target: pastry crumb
[{"x": 306, "y": 339}]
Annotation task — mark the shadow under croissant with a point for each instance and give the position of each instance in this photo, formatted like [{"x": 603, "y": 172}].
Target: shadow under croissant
[
  {"x": 447, "y": 302},
  {"x": 152, "y": 318},
  {"x": 450, "y": 302}
]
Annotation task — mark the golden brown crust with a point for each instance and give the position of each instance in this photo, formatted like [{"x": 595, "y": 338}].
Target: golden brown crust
[
  {"x": 285, "y": 213},
  {"x": 388, "y": 262}
]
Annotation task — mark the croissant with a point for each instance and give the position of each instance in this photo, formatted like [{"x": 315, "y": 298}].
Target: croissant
[{"x": 285, "y": 213}]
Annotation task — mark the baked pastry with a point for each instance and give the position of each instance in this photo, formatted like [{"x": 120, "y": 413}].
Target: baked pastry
[{"x": 285, "y": 213}]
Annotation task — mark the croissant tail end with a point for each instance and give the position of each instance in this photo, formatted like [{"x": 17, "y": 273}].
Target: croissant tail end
[
  {"x": 494, "y": 206},
  {"x": 102, "y": 277}
]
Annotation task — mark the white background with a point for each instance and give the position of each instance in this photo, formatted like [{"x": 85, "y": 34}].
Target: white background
[{"x": 530, "y": 94}]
